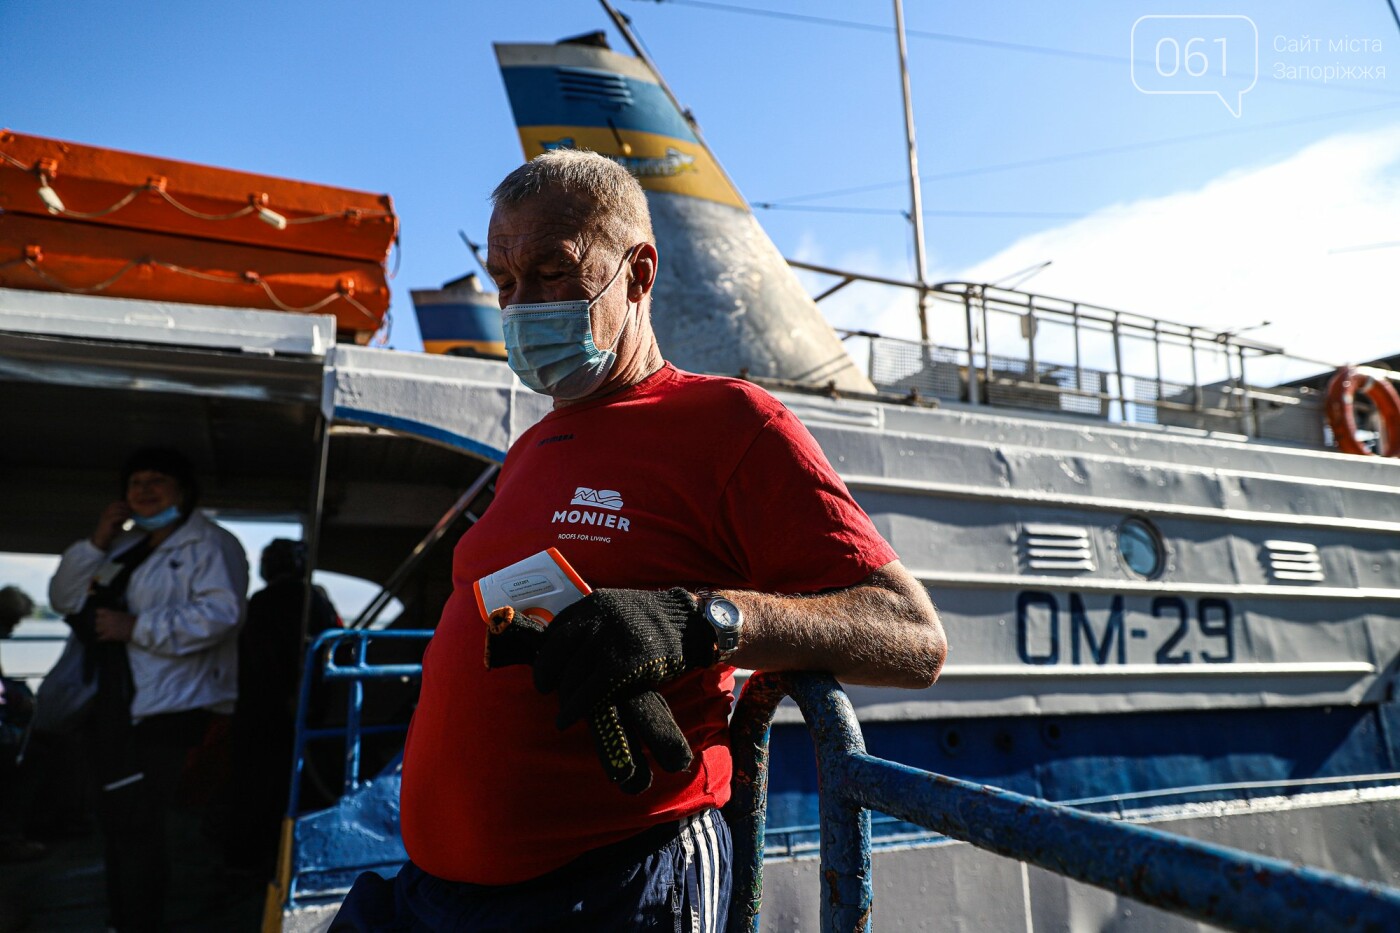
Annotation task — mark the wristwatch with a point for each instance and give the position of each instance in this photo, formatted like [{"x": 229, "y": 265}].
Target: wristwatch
[{"x": 725, "y": 618}]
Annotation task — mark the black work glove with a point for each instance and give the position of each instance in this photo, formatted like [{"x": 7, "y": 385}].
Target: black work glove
[
  {"x": 620, "y": 729},
  {"x": 511, "y": 638},
  {"x": 615, "y": 643}
]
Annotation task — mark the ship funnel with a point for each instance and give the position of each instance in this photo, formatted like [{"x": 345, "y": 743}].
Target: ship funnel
[
  {"x": 460, "y": 319},
  {"x": 725, "y": 300}
]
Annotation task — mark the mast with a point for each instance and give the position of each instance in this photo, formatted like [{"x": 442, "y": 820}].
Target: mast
[
  {"x": 916, "y": 201},
  {"x": 622, "y": 24}
]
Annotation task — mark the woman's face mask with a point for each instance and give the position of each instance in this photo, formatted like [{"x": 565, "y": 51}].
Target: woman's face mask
[
  {"x": 549, "y": 344},
  {"x": 160, "y": 520}
]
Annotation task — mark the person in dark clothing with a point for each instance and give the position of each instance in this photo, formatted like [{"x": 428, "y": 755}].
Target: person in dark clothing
[
  {"x": 264, "y": 720},
  {"x": 16, "y": 714}
]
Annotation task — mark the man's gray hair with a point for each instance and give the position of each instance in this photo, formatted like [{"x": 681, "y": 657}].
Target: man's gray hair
[{"x": 613, "y": 199}]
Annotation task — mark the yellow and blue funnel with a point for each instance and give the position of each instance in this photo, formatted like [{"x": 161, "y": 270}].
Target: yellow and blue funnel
[
  {"x": 725, "y": 299},
  {"x": 460, "y": 319}
]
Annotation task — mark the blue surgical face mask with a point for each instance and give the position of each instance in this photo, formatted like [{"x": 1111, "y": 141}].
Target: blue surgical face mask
[
  {"x": 550, "y": 345},
  {"x": 161, "y": 519}
]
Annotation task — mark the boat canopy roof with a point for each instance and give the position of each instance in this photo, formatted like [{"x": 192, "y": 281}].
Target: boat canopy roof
[{"x": 281, "y": 422}]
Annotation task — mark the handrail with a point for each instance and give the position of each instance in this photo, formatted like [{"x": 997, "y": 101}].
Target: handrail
[
  {"x": 1014, "y": 349},
  {"x": 355, "y": 673},
  {"x": 1226, "y": 887}
]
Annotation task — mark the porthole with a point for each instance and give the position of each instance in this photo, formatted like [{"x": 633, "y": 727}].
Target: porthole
[{"x": 1140, "y": 547}]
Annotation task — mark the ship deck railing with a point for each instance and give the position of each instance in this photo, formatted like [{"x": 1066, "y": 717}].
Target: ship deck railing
[
  {"x": 1228, "y": 888},
  {"x": 1006, "y": 348}
]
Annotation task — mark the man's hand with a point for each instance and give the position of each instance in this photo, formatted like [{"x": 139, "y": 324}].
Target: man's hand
[
  {"x": 109, "y": 524},
  {"x": 613, "y": 644},
  {"x": 112, "y": 625},
  {"x": 511, "y": 638},
  {"x": 620, "y": 729}
]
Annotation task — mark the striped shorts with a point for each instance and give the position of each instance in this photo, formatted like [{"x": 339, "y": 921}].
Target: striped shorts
[{"x": 674, "y": 878}]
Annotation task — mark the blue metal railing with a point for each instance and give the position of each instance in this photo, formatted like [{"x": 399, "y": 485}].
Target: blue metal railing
[
  {"x": 1211, "y": 883},
  {"x": 1225, "y": 887},
  {"x": 323, "y": 851},
  {"x": 892, "y": 832},
  {"x": 323, "y": 666}
]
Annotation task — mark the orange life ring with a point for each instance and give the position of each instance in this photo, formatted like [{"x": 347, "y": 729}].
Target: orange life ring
[{"x": 1341, "y": 411}]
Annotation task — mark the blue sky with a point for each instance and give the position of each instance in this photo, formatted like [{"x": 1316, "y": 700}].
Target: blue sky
[
  {"x": 1027, "y": 117},
  {"x": 405, "y": 98}
]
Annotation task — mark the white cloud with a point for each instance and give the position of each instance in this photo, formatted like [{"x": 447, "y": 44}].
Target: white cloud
[{"x": 1253, "y": 245}]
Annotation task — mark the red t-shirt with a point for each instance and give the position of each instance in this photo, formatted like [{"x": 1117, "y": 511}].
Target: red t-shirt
[{"x": 681, "y": 480}]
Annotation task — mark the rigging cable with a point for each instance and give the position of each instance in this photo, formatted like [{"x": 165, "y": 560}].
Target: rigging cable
[
  {"x": 1012, "y": 46},
  {"x": 1092, "y": 153},
  {"x": 350, "y": 213},
  {"x": 1364, "y": 247},
  {"x": 992, "y": 43},
  {"x": 897, "y": 212},
  {"x": 922, "y": 34},
  {"x": 245, "y": 278}
]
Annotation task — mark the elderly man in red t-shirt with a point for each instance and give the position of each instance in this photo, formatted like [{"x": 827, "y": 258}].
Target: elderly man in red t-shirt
[{"x": 714, "y": 534}]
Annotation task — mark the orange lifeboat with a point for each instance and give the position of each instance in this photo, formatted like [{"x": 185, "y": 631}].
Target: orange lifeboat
[{"x": 98, "y": 221}]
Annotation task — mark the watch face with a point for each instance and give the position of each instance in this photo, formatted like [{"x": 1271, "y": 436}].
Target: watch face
[
  {"x": 726, "y": 619},
  {"x": 723, "y": 613}
]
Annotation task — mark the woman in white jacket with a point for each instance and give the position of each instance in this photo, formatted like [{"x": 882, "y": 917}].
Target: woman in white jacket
[{"x": 178, "y": 632}]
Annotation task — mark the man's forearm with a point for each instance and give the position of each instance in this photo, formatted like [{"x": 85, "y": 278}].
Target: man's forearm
[{"x": 883, "y": 631}]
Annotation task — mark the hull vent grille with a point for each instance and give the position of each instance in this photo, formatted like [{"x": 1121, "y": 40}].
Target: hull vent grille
[
  {"x": 1057, "y": 547},
  {"x": 607, "y": 90},
  {"x": 1293, "y": 560}
]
